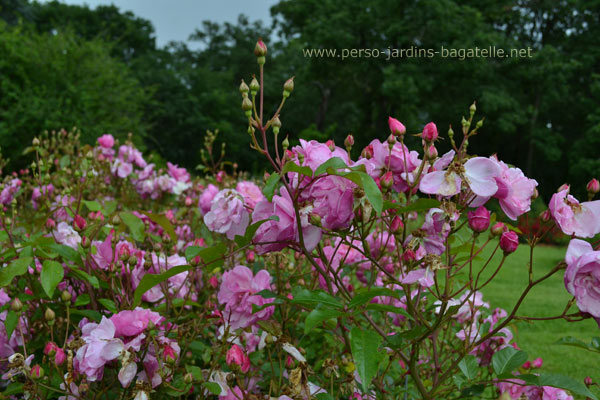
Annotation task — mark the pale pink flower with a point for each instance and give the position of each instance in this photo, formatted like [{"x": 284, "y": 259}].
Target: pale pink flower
[
  {"x": 227, "y": 214},
  {"x": 582, "y": 276},
  {"x": 574, "y": 218},
  {"x": 66, "y": 235},
  {"x": 479, "y": 173},
  {"x": 100, "y": 347},
  {"x": 205, "y": 200},
  {"x": 333, "y": 200},
  {"x": 238, "y": 294},
  {"x": 251, "y": 193}
]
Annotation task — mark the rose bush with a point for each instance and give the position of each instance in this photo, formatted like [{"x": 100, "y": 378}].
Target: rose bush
[{"x": 344, "y": 274}]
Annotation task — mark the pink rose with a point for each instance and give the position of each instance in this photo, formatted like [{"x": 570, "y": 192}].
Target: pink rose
[
  {"x": 206, "y": 198},
  {"x": 333, "y": 200},
  {"x": 574, "y": 218},
  {"x": 430, "y": 132},
  {"x": 134, "y": 322},
  {"x": 250, "y": 192},
  {"x": 396, "y": 126},
  {"x": 107, "y": 141},
  {"x": 480, "y": 173},
  {"x": 227, "y": 214},
  {"x": 582, "y": 276},
  {"x": 236, "y": 356},
  {"x": 66, "y": 235},
  {"x": 509, "y": 241},
  {"x": 238, "y": 294},
  {"x": 479, "y": 220}
]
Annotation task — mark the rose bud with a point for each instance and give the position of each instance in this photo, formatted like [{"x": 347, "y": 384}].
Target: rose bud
[
  {"x": 236, "y": 356},
  {"x": 50, "y": 223},
  {"x": 537, "y": 363},
  {"x": 213, "y": 281},
  {"x": 188, "y": 201},
  {"x": 396, "y": 225},
  {"x": 331, "y": 144},
  {"x": 593, "y": 186},
  {"x": 430, "y": 132},
  {"x": 588, "y": 381},
  {"x": 387, "y": 180},
  {"x": 79, "y": 223},
  {"x": 498, "y": 229},
  {"x": 250, "y": 256},
  {"x": 562, "y": 187},
  {"x": 367, "y": 152},
  {"x": 169, "y": 354},
  {"x": 408, "y": 255},
  {"x": 260, "y": 50},
  {"x": 509, "y": 241},
  {"x": 546, "y": 216},
  {"x": 36, "y": 372},
  {"x": 50, "y": 349},
  {"x": 396, "y": 127},
  {"x": 60, "y": 357},
  {"x": 349, "y": 141},
  {"x": 479, "y": 220},
  {"x": 527, "y": 365}
]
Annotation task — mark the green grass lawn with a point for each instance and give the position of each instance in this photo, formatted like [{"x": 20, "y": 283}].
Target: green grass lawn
[{"x": 547, "y": 299}]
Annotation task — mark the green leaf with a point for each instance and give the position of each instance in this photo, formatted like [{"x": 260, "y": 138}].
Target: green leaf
[
  {"x": 469, "y": 367},
  {"x": 150, "y": 280},
  {"x": 64, "y": 161},
  {"x": 363, "y": 296},
  {"x": 571, "y": 341},
  {"x": 422, "y": 204},
  {"x": 84, "y": 276},
  {"x": 242, "y": 241},
  {"x": 365, "y": 351},
  {"x": 334, "y": 163},
  {"x": 212, "y": 387},
  {"x": 164, "y": 223},
  {"x": 67, "y": 253},
  {"x": 16, "y": 268},
  {"x": 195, "y": 371},
  {"x": 318, "y": 315},
  {"x": 291, "y": 166},
  {"x": 82, "y": 300},
  {"x": 315, "y": 297},
  {"x": 135, "y": 225},
  {"x": 11, "y": 322},
  {"x": 89, "y": 314},
  {"x": 92, "y": 205},
  {"x": 109, "y": 305},
  {"x": 507, "y": 360},
  {"x": 271, "y": 185},
  {"x": 324, "y": 396},
  {"x": 52, "y": 274}
]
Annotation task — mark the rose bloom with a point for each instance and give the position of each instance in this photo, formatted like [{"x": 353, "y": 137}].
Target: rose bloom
[
  {"x": 238, "y": 294},
  {"x": 333, "y": 200},
  {"x": 250, "y": 192},
  {"x": 227, "y": 214},
  {"x": 574, "y": 218},
  {"x": 582, "y": 276},
  {"x": 206, "y": 198}
]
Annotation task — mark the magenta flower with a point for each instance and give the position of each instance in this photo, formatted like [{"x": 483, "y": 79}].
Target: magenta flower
[
  {"x": 400, "y": 161},
  {"x": 206, "y": 198},
  {"x": 250, "y": 192},
  {"x": 430, "y": 132},
  {"x": 134, "y": 322},
  {"x": 227, "y": 214},
  {"x": 396, "y": 127},
  {"x": 314, "y": 153},
  {"x": 238, "y": 294},
  {"x": 179, "y": 174},
  {"x": 479, "y": 220},
  {"x": 574, "y": 218},
  {"x": 582, "y": 276},
  {"x": 236, "y": 356},
  {"x": 276, "y": 235},
  {"x": 333, "y": 200},
  {"x": 479, "y": 174},
  {"x": 509, "y": 241},
  {"x": 107, "y": 141}
]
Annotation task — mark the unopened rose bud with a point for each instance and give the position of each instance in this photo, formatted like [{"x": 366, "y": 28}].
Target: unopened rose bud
[
  {"x": 250, "y": 256},
  {"x": 479, "y": 124},
  {"x": 396, "y": 127},
  {"x": 349, "y": 142},
  {"x": 546, "y": 216},
  {"x": 236, "y": 357},
  {"x": 254, "y": 86},
  {"x": 498, "y": 229},
  {"x": 16, "y": 305},
  {"x": 50, "y": 223},
  {"x": 169, "y": 355},
  {"x": 391, "y": 141},
  {"x": 260, "y": 49},
  {"x": 479, "y": 220},
  {"x": 331, "y": 144},
  {"x": 288, "y": 87},
  {"x": 36, "y": 372},
  {"x": 409, "y": 255},
  {"x": 472, "y": 109},
  {"x": 285, "y": 144},
  {"x": 276, "y": 125},
  {"x": 387, "y": 180},
  {"x": 588, "y": 381},
  {"x": 537, "y": 363},
  {"x": 65, "y": 296},
  {"x": 367, "y": 152},
  {"x": 85, "y": 242},
  {"x": 315, "y": 219},
  {"x": 431, "y": 152},
  {"x": 49, "y": 315},
  {"x": 509, "y": 241},
  {"x": 593, "y": 186},
  {"x": 213, "y": 282},
  {"x": 115, "y": 220},
  {"x": 79, "y": 223},
  {"x": 430, "y": 132},
  {"x": 527, "y": 365},
  {"x": 188, "y": 378},
  {"x": 35, "y": 142},
  {"x": 562, "y": 187},
  {"x": 396, "y": 225},
  {"x": 132, "y": 260},
  {"x": 244, "y": 88},
  {"x": 247, "y": 106},
  {"x": 50, "y": 349}
]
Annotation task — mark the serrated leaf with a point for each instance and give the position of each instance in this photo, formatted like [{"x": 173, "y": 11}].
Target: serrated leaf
[
  {"x": 507, "y": 360},
  {"x": 212, "y": 387},
  {"x": 271, "y": 185},
  {"x": 334, "y": 163},
  {"x": 11, "y": 322},
  {"x": 82, "y": 300},
  {"x": 109, "y": 305},
  {"x": 16, "y": 268},
  {"x": 366, "y": 355},
  {"x": 314, "y": 297},
  {"x": 52, "y": 274},
  {"x": 422, "y": 204},
  {"x": 318, "y": 315}
]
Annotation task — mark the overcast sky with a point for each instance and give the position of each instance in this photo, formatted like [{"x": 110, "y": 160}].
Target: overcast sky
[{"x": 177, "y": 19}]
